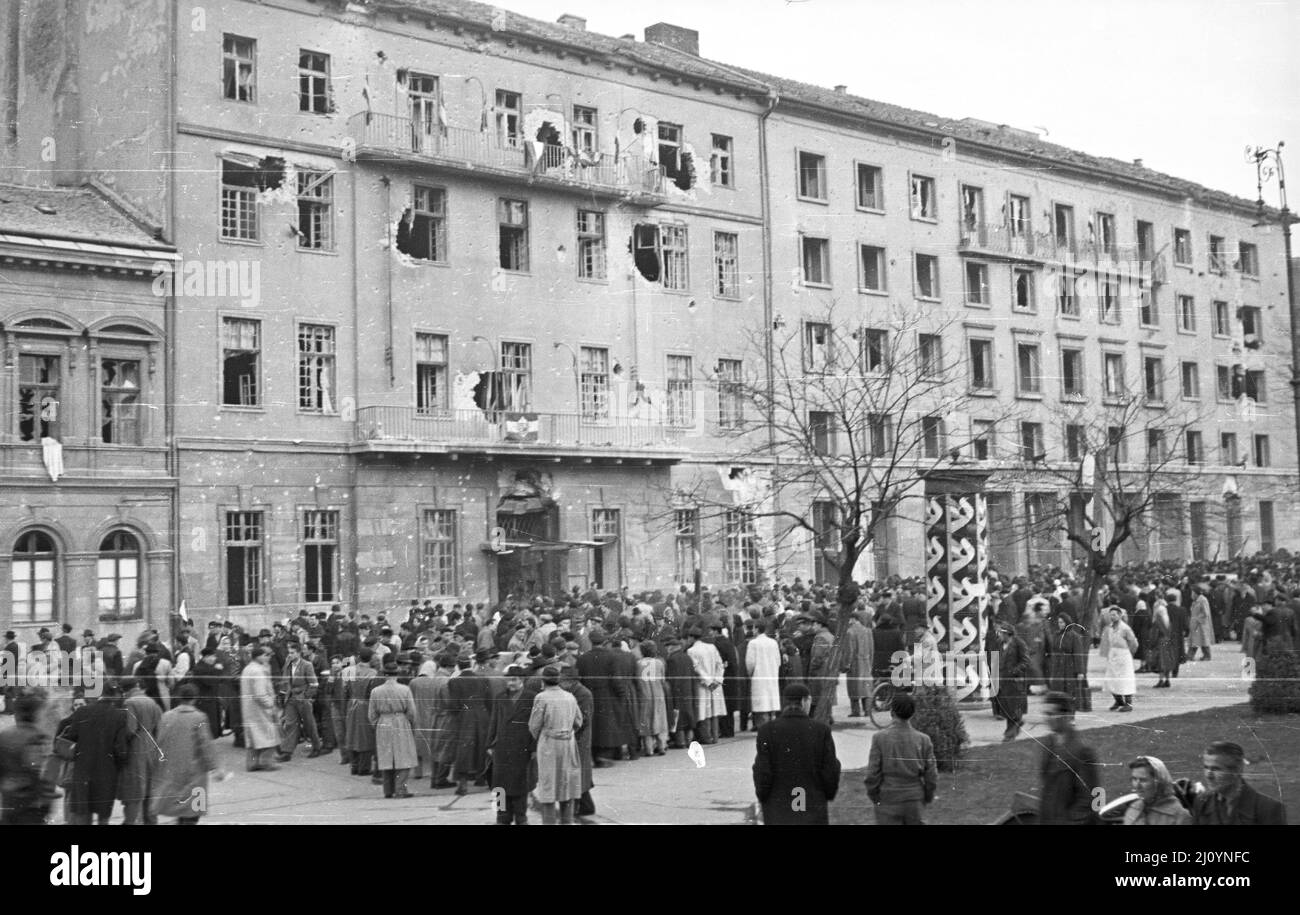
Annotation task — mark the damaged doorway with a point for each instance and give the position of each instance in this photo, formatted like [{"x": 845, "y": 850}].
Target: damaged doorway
[{"x": 538, "y": 568}]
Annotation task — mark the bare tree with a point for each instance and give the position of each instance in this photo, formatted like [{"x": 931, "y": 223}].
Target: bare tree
[{"x": 846, "y": 423}]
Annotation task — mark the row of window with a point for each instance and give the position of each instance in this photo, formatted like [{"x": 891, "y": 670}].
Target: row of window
[
  {"x": 812, "y": 183},
  {"x": 41, "y": 383},
  {"x": 34, "y": 583}
]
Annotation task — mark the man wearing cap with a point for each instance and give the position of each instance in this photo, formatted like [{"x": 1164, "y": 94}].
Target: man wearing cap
[
  {"x": 510, "y": 746},
  {"x": 391, "y": 711},
  {"x": 796, "y": 771},
  {"x": 298, "y": 687},
  {"x": 553, "y": 722},
  {"x": 1228, "y": 800},
  {"x": 902, "y": 775},
  {"x": 822, "y": 680}
]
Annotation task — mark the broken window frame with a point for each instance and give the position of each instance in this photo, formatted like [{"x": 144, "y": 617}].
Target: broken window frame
[
  {"x": 439, "y": 575},
  {"x": 1190, "y": 381},
  {"x": 585, "y": 135},
  {"x": 315, "y": 90},
  {"x": 243, "y": 539},
  {"x": 315, "y": 210},
  {"x": 240, "y": 208},
  {"x": 1108, "y": 298},
  {"x": 1114, "y": 384},
  {"x": 930, "y": 263},
  {"x": 428, "y": 228},
  {"x": 317, "y": 352},
  {"x": 512, "y": 235},
  {"x": 1025, "y": 279},
  {"x": 40, "y": 397},
  {"x": 875, "y": 351},
  {"x": 431, "y": 374},
  {"x": 515, "y": 391},
  {"x": 594, "y": 384},
  {"x": 818, "y": 348},
  {"x": 1252, "y": 321},
  {"x": 1032, "y": 443},
  {"x": 246, "y": 336},
  {"x": 509, "y": 110},
  {"x": 811, "y": 175},
  {"x": 669, "y": 143},
  {"x": 815, "y": 258},
  {"x": 1019, "y": 218},
  {"x": 1218, "y": 255},
  {"x": 681, "y": 391},
  {"x": 1067, "y": 295},
  {"x": 720, "y": 162},
  {"x": 1255, "y": 385},
  {"x": 674, "y": 250},
  {"x": 978, "y": 288},
  {"x": 320, "y": 555},
  {"x": 731, "y": 393},
  {"x": 120, "y": 392},
  {"x": 726, "y": 265},
  {"x": 875, "y": 255},
  {"x": 1183, "y": 253},
  {"x": 922, "y": 200},
  {"x": 591, "y": 245},
  {"x": 1153, "y": 380},
  {"x": 238, "y": 69},
  {"x": 979, "y": 352}
]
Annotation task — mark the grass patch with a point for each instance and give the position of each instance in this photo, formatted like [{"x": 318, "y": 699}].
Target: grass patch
[{"x": 987, "y": 777}]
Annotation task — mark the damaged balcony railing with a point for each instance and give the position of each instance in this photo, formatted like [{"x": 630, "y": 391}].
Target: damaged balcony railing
[
  {"x": 488, "y": 427},
  {"x": 393, "y": 134},
  {"x": 1001, "y": 239}
]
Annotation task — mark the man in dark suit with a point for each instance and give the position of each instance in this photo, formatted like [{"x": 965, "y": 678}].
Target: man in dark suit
[
  {"x": 1229, "y": 800},
  {"x": 510, "y": 746},
  {"x": 796, "y": 772},
  {"x": 1068, "y": 769},
  {"x": 597, "y": 670}
]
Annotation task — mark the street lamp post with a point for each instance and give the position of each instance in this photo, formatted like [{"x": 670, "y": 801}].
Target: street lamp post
[{"x": 1268, "y": 162}]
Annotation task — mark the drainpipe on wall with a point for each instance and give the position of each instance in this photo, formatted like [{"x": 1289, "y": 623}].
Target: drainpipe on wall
[
  {"x": 773, "y": 99},
  {"x": 388, "y": 276},
  {"x": 169, "y": 313}
]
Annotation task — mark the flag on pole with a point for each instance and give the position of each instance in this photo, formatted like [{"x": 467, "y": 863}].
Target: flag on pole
[{"x": 182, "y": 612}]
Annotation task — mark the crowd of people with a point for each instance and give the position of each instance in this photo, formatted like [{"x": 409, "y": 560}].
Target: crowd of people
[{"x": 526, "y": 698}]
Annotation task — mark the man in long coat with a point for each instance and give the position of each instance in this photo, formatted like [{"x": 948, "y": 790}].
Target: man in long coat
[
  {"x": 187, "y": 756},
  {"x": 438, "y": 718},
  {"x": 1012, "y": 699},
  {"x": 258, "y": 712},
  {"x": 1202, "y": 625},
  {"x": 587, "y": 705},
  {"x": 680, "y": 672},
  {"x": 626, "y": 699},
  {"x": 709, "y": 672},
  {"x": 731, "y": 679},
  {"x": 391, "y": 709},
  {"x": 468, "y": 693},
  {"x": 510, "y": 744},
  {"x": 360, "y": 732},
  {"x": 99, "y": 730},
  {"x": 1067, "y": 661},
  {"x": 133, "y": 788},
  {"x": 763, "y": 663},
  {"x": 822, "y": 680},
  {"x": 859, "y": 656},
  {"x": 553, "y": 722},
  {"x": 598, "y": 669},
  {"x": 796, "y": 771}
]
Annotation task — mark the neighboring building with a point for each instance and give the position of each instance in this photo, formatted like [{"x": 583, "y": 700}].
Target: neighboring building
[
  {"x": 87, "y": 476},
  {"x": 465, "y": 297}
]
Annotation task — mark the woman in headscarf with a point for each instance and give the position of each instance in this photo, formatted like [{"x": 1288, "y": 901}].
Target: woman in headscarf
[
  {"x": 1067, "y": 662},
  {"x": 1162, "y": 654},
  {"x": 1157, "y": 805}
]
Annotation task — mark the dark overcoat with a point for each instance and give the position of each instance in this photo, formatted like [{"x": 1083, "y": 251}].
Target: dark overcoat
[
  {"x": 1012, "y": 699},
  {"x": 511, "y": 744},
  {"x": 100, "y": 731},
  {"x": 467, "y": 695},
  {"x": 598, "y": 671},
  {"x": 680, "y": 671},
  {"x": 796, "y": 772}
]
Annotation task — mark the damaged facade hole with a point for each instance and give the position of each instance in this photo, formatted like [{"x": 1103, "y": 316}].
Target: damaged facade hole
[
  {"x": 675, "y": 160},
  {"x": 659, "y": 252},
  {"x": 422, "y": 227}
]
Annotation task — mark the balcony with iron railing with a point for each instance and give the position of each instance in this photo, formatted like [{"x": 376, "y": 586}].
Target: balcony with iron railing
[
  {"x": 397, "y": 139},
  {"x": 409, "y": 429},
  {"x": 1019, "y": 243}
]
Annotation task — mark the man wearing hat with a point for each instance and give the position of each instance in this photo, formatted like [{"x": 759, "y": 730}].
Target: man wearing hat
[
  {"x": 258, "y": 712},
  {"x": 468, "y": 695},
  {"x": 510, "y": 747},
  {"x": 66, "y": 642},
  {"x": 1228, "y": 800},
  {"x": 710, "y": 704},
  {"x": 822, "y": 680},
  {"x": 796, "y": 771},
  {"x": 392, "y": 714},
  {"x": 298, "y": 689}
]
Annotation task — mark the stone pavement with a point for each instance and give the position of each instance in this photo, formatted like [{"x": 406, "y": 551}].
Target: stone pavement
[{"x": 660, "y": 790}]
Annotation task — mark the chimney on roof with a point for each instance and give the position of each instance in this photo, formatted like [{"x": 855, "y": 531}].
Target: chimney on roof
[
  {"x": 628, "y": 37},
  {"x": 674, "y": 36},
  {"x": 1138, "y": 163},
  {"x": 841, "y": 89},
  {"x": 568, "y": 20}
]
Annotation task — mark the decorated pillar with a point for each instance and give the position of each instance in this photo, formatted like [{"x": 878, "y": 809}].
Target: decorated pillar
[{"x": 956, "y": 563}]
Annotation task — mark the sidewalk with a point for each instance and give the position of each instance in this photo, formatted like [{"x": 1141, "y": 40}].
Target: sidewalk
[{"x": 668, "y": 789}]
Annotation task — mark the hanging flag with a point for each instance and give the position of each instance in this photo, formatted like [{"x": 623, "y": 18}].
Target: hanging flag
[
  {"x": 442, "y": 117},
  {"x": 182, "y": 612},
  {"x": 521, "y": 427}
]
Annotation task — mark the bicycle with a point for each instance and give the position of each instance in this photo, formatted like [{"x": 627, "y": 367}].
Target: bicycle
[{"x": 880, "y": 701}]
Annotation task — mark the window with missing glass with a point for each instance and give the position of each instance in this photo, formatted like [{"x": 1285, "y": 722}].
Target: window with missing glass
[
  {"x": 119, "y": 392},
  {"x": 675, "y": 251},
  {"x": 316, "y": 368},
  {"x": 726, "y": 265},
  {"x": 244, "y": 558},
  {"x": 241, "y": 362},
  {"x": 314, "y": 91},
  {"x": 591, "y": 245},
  {"x": 720, "y": 162},
  {"x": 40, "y": 394},
  {"x": 431, "y": 395},
  {"x": 315, "y": 211},
  {"x": 512, "y": 229},
  {"x": 320, "y": 553},
  {"x": 239, "y": 68}
]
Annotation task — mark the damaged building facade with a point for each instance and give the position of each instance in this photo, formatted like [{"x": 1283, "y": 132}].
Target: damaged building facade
[{"x": 465, "y": 300}]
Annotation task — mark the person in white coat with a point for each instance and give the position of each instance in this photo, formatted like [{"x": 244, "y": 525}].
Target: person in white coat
[
  {"x": 257, "y": 703},
  {"x": 763, "y": 662},
  {"x": 1118, "y": 645},
  {"x": 1201, "y": 626},
  {"x": 710, "y": 704}
]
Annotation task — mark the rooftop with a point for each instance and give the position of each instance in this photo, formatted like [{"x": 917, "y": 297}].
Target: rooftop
[
  {"x": 1017, "y": 143},
  {"x": 80, "y": 214}
]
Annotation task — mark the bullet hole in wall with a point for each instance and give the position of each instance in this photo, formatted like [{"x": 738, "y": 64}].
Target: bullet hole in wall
[{"x": 265, "y": 174}]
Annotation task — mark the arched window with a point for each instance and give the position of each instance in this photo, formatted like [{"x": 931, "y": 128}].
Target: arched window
[
  {"x": 119, "y": 575},
  {"x": 33, "y": 578}
]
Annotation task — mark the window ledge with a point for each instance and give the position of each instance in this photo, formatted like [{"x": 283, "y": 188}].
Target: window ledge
[
  {"x": 1029, "y": 395},
  {"x": 973, "y": 304},
  {"x": 1187, "y": 333},
  {"x": 327, "y": 252},
  {"x": 321, "y": 413},
  {"x": 1153, "y": 404},
  {"x": 879, "y": 211},
  {"x": 932, "y": 220},
  {"x": 243, "y": 242},
  {"x": 816, "y": 285},
  {"x": 594, "y": 281},
  {"x": 1069, "y": 317},
  {"x": 235, "y": 408},
  {"x": 1113, "y": 400},
  {"x": 824, "y": 201},
  {"x": 119, "y": 618},
  {"x": 1253, "y": 277},
  {"x": 928, "y": 298},
  {"x": 982, "y": 392},
  {"x": 884, "y": 292},
  {"x": 1074, "y": 398}
]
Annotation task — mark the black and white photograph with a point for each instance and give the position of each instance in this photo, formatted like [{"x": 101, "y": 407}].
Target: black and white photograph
[{"x": 425, "y": 412}]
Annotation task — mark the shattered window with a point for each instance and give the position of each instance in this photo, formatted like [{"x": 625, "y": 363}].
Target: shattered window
[
  {"x": 674, "y": 247},
  {"x": 1018, "y": 218},
  {"x": 924, "y": 205},
  {"x": 1182, "y": 247},
  {"x": 1024, "y": 289},
  {"x": 243, "y": 543},
  {"x": 681, "y": 391},
  {"x": 584, "y": 130},
  {"x": 430, "y": 373},
  {"x": 422, "y": 97},
  {"x": 1218, "y": 255},
  {"x": 591, "y": 245},
  {"x": 818, "y": 347},
  {"x": 726, "y": 246},
  {"x": 316, "y": 211},
  {"x": 1252, "y": 322},
  {"x": 1247, "y": 259},
  {"x": 1108, "y": 297},
  {"x": 594, "y": 383},
  {"x": 517, "y": 376},
  {"x": 1106, "y": 232},
  {"x": 315, "y": 368},
  {"x": 513, "y": 236},
  {"x": 927, "y": 276},
  {"x": 438, "y": 552},
  {"x": 119, "y": 388},
  {"x": 1067, "y": 296},
  {"x": 241, "y": 362},
  {"x": 731, "y": 394},
  {"x": 38, "y": 398},
  {"x": 720, "y": 162},
  {"x": 320, "y": 548},
  {"x": 670, "y": 149},
  {"x": 239, "y": 80},
  {"x": 875, "y": 351},
  {"x": 509, "y": 119},
  {"x": 239, "y": 188},
  {"x": 314, "y": 92},
  {"x": 422, "y": 231},
  {"x": 812, "y": 176}
]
